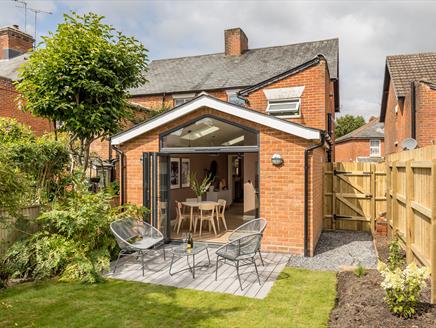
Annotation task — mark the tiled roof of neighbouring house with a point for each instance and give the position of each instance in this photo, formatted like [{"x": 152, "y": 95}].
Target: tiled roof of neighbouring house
[
  {"x": 9, "y": 67},
  {"x": 371, "y": 130},
  {"x": 217, "y": 71},
  {"x": 404, "y": 69}
]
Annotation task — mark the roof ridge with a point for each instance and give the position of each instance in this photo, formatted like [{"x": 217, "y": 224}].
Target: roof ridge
[
  {"x": 359, "y": 129},
  {"x": 251, "y": 49},
  {"x": 411, "y": 54}
]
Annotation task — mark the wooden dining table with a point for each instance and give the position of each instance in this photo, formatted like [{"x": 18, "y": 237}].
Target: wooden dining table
[{"x": 193, "y": 205}]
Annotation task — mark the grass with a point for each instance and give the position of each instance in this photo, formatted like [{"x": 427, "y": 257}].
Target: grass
[{"x": 299, "y": 298}]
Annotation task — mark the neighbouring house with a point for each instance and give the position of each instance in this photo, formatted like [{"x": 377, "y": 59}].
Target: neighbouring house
[
  {"x": 365, "y": 144},
  {"x": 260, "y": 121},
  {"x": 408, "y": 107},
  {"x": 14, "y": 48}
]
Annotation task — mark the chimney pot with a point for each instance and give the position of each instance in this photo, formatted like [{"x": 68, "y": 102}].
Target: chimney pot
[
  {"x": 235, "y": 42},
  {"x": 15, "y": 26}
]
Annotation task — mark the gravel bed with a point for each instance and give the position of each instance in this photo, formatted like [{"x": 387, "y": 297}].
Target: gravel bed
[{"x": 337, "y": 250}]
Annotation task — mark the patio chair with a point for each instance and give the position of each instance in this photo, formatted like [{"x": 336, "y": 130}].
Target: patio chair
[
  {"x": 252, "y": 226},
  {"x": 207, "y": 213},
  {"x": 220, "y": 213},
  {"x": 135, "y": 236},
  {"x": 180, "y": 217},
  {"x": 239, "y": 252}
]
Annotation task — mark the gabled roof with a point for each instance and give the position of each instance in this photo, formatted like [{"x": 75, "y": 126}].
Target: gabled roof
[
  {"x": 374, "y": 129},
  {"x": 217, "y": 71},
  {"x": 221, "y": 106},
  {"x": 9, "y": 67},
  {"x": 404, "y": 69}
]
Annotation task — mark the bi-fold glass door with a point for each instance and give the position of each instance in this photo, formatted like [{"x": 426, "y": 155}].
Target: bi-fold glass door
[{"x": 156, "y": 190}]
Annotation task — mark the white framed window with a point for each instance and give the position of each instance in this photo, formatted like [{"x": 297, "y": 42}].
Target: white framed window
[
  {"x": 180, "y": 99},
  {"x": 375, "y": 148},
  {"x": 284, "y": 108}
]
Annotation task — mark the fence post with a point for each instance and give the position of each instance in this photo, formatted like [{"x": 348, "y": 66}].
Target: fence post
[
  {"x": 394, "y": 202},
  {"x": 409, "y": 211},
  {"x": 388, "y": 196},
  {"x": 433, "y": 232},
  {"x": 334, "y": 190},
  {"x": 373, "y": 195}
]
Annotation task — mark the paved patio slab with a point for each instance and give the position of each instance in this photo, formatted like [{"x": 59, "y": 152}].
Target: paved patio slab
[
  {"x": 157, "y": 272},
  {"x": 339, "y": 249}
]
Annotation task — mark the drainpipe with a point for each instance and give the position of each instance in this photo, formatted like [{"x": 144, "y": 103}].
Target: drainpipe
[
  {"x": 306, "y": 189},
  {"x": 122, "y": 187},
  {"x": 413, "y": 105}
]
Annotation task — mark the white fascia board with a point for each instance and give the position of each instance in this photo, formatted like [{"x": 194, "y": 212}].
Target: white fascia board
[{"x": 206, "y": 101}]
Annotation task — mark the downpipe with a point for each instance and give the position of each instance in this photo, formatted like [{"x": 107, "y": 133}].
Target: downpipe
[{"x": 122, "y": 187}]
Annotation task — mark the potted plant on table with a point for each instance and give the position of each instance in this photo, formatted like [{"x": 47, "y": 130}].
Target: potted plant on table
[{"x": 199, "y": 188}]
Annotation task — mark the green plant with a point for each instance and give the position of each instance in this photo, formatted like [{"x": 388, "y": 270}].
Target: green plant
[
  {"x": 81, "y": 77},
  {"x": 396, "y": 257},
  {"x": 403, "y": 288},
  {"x": 74, "y": 242},
  {"x": 347, "y": 123},
  {"x": 199, "y": 188},
  {"x": 360, "y": 271}
]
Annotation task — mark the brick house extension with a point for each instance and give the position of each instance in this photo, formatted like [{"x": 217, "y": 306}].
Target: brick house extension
[
  {"x": 365, "y": 144},
  {"x": 408, "y": 106},
  {"x": 14, "y": 45},
  {"x": 238, "y": 114}
]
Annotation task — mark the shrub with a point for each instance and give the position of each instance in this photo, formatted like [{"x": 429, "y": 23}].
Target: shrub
[
  {"x": 396, "y": 257},
  {"x": 74, "y": 243},
  {"x": 360, "y": 271},
  {"x": 403, "y": 288}
]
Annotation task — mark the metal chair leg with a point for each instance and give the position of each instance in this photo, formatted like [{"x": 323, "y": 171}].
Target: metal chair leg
[
  {"x": 142, "y": 262},
  {"x": 261, "y": 259},
  {"x": 237, "y": 272},
  {"x": 257, "y": 272},
  {"x": 118, "y": 258},
  {"x": 163, "y": 248},
  {"x": 216, "y": 269}
]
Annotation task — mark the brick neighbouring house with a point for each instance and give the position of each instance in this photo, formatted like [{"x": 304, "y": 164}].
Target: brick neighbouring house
[
  {"x": 365, "y": 144},
  {"x": 238, "y": 109},
  {"x": 14, "y": 45},
  {"x": 408, "y": 106}
]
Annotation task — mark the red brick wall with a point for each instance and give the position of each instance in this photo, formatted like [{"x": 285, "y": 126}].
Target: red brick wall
[
  {"x": 9, "y": 108},
  {"x": 14, "y": 40},
  {"x": 425, "y": 115},
  {"x": 315, "y": 100},
  {"x": 235, "y": 42},
  {"x": 281, "y": 188},
  {"x": 348, "y": 151}
]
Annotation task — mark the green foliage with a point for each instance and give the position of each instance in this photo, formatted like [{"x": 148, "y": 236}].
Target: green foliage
[
  {"x": 74, "y": 243},
  {"x": 80, "y": 77},
  {"x": 396, "y": 256},
  {"x": 403, "y": 288},
  {"x": 11, "y": 131},
  {"x": 347, "y": 123},
  {"x": 360, "y": 271},
  {"x": 199, "y": 188}
]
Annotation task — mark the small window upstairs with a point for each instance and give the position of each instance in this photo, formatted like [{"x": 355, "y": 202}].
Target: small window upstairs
[
  {"x": 284, "y": 109},
  {"x": 375, "y": 148},
  {"x": 284, "y": 102},
  {"x": 180, "y": 99}
]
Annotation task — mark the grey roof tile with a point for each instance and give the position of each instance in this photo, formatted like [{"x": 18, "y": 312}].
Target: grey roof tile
[
  {"x": 216, "y": 71},
  {"x": 404, "y": 69},
  {"x": 371, "y": 130},
  {"x": 9, "y": 67}
]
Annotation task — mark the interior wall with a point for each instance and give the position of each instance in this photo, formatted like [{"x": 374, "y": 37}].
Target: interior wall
[{"x": 200, "y": 164}]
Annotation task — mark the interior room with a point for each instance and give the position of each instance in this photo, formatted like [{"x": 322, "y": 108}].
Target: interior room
[{"x": 233, "y": 179}]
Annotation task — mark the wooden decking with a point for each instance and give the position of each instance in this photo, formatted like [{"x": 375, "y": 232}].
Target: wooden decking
[{"x": 157, "y": 272}]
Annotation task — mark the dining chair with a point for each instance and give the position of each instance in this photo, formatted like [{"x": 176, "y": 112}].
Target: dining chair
[
  {"x": 221, "y": 208},
  {"x": 180, "y": 216},
  {"x": 207, "y": 213}
]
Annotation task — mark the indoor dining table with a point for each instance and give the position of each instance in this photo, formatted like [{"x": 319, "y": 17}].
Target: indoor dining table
[{"x": 197, "y": 204}]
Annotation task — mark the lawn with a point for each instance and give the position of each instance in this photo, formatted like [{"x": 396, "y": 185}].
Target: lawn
[{"x": 299, "y": 298}]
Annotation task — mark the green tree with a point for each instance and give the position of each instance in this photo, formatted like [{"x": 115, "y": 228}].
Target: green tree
[
  {"x": 346, "y": 124},
  {"x": 80, "y": 77}
]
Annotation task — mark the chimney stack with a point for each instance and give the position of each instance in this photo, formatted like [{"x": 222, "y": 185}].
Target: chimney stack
[
  {"x": 14, "y": 42},
  {"x": 235, "y": 41}
]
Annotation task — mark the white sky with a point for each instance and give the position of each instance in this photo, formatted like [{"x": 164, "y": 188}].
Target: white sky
[{"x": 367, "y": 31}]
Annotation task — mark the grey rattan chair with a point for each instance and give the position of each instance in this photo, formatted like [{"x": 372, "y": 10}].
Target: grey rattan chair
[
  {"x": 135, "y": 236},
  {"x": 239, "y": 252},
  {"x": 253, "y": 226}
]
